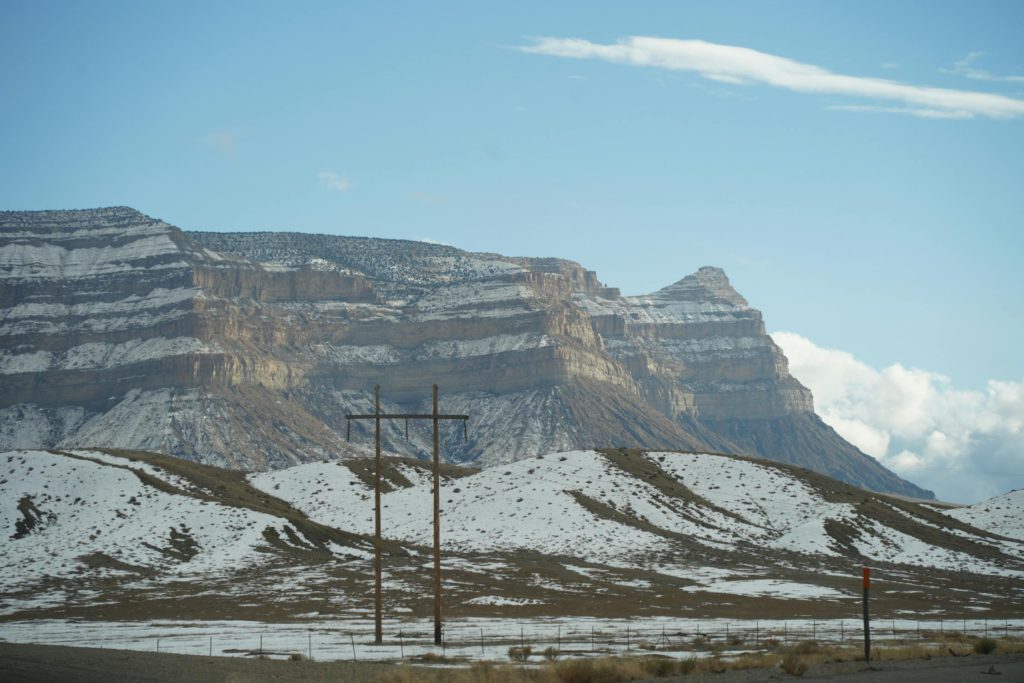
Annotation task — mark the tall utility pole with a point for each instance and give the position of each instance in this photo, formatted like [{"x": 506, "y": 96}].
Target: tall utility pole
[
  {"x": 436, "y": 417},
  {"x": 378, "y": 626},
  {"x": 437, "y": 528}
]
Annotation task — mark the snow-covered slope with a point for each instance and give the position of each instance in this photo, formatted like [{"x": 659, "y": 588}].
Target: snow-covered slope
[
  {"x": 1003, "y": 515},
  {"x": 123, "y": 533},
  {"x": 618, "y": 506}
]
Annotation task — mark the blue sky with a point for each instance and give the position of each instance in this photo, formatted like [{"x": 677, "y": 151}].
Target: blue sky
[{"x": 873, "y": 225}]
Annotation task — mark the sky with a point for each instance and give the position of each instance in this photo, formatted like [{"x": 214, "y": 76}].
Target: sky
[{"x": 856, "y": 168}]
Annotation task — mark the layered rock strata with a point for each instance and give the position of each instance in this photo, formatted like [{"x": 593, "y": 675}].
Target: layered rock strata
[{"x": 247, "y": 350}]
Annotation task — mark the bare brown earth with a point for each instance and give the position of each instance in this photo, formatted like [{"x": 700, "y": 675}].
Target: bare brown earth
[{"x": 55, "y": 664}]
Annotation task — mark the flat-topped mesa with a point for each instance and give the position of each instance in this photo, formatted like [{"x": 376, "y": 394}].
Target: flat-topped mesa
[{"x": 249, "y": 348}]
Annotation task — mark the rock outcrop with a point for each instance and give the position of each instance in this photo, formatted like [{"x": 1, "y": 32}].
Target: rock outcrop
[{"x": 247, "y": 349}]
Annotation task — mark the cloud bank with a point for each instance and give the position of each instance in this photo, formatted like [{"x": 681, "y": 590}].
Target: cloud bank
[
  {"x": 744, "y": 66},
  {"x": 965, "y": 445}
]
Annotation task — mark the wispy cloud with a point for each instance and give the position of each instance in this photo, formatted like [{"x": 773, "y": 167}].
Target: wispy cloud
[
  {"x": 965, "y": 67},
  {"x": 965, "y": 445},
  {"x": 425, "y": 197},
  {"x": 744, "y": 66},
  {"x": 912, "y": 111},
  {"x": 225, "y": 142},
  {"x": 333, "y": 181}
]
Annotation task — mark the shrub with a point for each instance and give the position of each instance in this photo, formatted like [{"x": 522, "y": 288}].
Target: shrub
[
  {"x": 985, "y": 646},
  {"x": 296, "y": 657},
  {"x": 659, "y": 666},
  {"x": 520, "y": 654},
  {"x": 434, "y": 658},
  {"x": 687, "y": 666},
  {"x": 551, "y": 653},
  {"x": 806, "y": 647},
  {"x": 794, "y": 665},
  {"x": 753, "y": 662}
]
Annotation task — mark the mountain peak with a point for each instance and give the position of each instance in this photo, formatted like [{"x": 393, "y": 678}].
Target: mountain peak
[{"x": 707, "y": 284}]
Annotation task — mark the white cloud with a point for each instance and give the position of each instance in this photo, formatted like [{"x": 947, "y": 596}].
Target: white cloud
[
  {"x": 965, "y": 445},
  {"x": 912, "y": 111},
  {"x": 333, "y": 181},
  {"x": 965, "y": 67},
  {"x": 744, "y": 66}
]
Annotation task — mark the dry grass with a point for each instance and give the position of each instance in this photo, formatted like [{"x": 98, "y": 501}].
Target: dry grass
[
  {"x": 603, "y": 670},
  {"x": 794, "y": 664},
  {"x": 795, "y": 660}
]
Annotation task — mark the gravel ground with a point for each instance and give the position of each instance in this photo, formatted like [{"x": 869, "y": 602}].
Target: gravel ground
[{"x": 20, "y": 663}]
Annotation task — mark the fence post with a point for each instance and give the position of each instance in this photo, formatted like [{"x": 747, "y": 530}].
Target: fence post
[
  {"x": 627, "y": 638},
  {"x": 481, "y": 642},
  {"x": 211, "y": 646},
  {"x": 814, "y": 630},
  {"x": 352, "y": 639},
  {"x": 309, "y": 646},
  {"x": 592, "y": 648},
  {"x": 522, "y": 639},
  {"x": 785, "y": 632},
  {"x": 158, "y": 645},
  {"x": 842, "y": 635},
  {"x": 261, "y": 645},
  {"x": 757, "y": 632},
  {"x": 559, "y": 645},
  {"x": 894, "y": 629}
]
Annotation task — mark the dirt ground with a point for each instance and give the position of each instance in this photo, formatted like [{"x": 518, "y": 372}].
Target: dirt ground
[{"x": 21, "y": 663}]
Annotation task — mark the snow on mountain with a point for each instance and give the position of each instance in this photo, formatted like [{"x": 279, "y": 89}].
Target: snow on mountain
[{"x": 247, "y": 350}]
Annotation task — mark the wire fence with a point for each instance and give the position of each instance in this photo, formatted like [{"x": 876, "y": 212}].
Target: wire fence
[{"x": 495, "y": 639}]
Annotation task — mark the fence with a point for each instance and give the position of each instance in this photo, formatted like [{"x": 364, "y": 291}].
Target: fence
[{"x": 491, "y": 639}]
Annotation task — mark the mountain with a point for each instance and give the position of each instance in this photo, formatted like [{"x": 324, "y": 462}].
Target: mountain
[
  {"x": 126, "y": 535},
  {"x": 246, "y": 350}
]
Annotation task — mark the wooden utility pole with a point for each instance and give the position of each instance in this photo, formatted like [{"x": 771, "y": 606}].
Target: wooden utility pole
[
  {"x": 378, "y": 626},
  {"x": 435, "y": 416},
  {"x": 437, "y": 527}
]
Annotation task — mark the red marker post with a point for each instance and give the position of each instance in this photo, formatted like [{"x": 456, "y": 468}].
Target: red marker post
[{"x": 867, "y": 623}]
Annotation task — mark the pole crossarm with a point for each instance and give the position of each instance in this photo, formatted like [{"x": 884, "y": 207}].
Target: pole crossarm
[{"x": 404, "y": 416}]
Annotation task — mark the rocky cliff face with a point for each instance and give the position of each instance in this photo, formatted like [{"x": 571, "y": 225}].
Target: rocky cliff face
[{"x": 247, "y": 350}]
